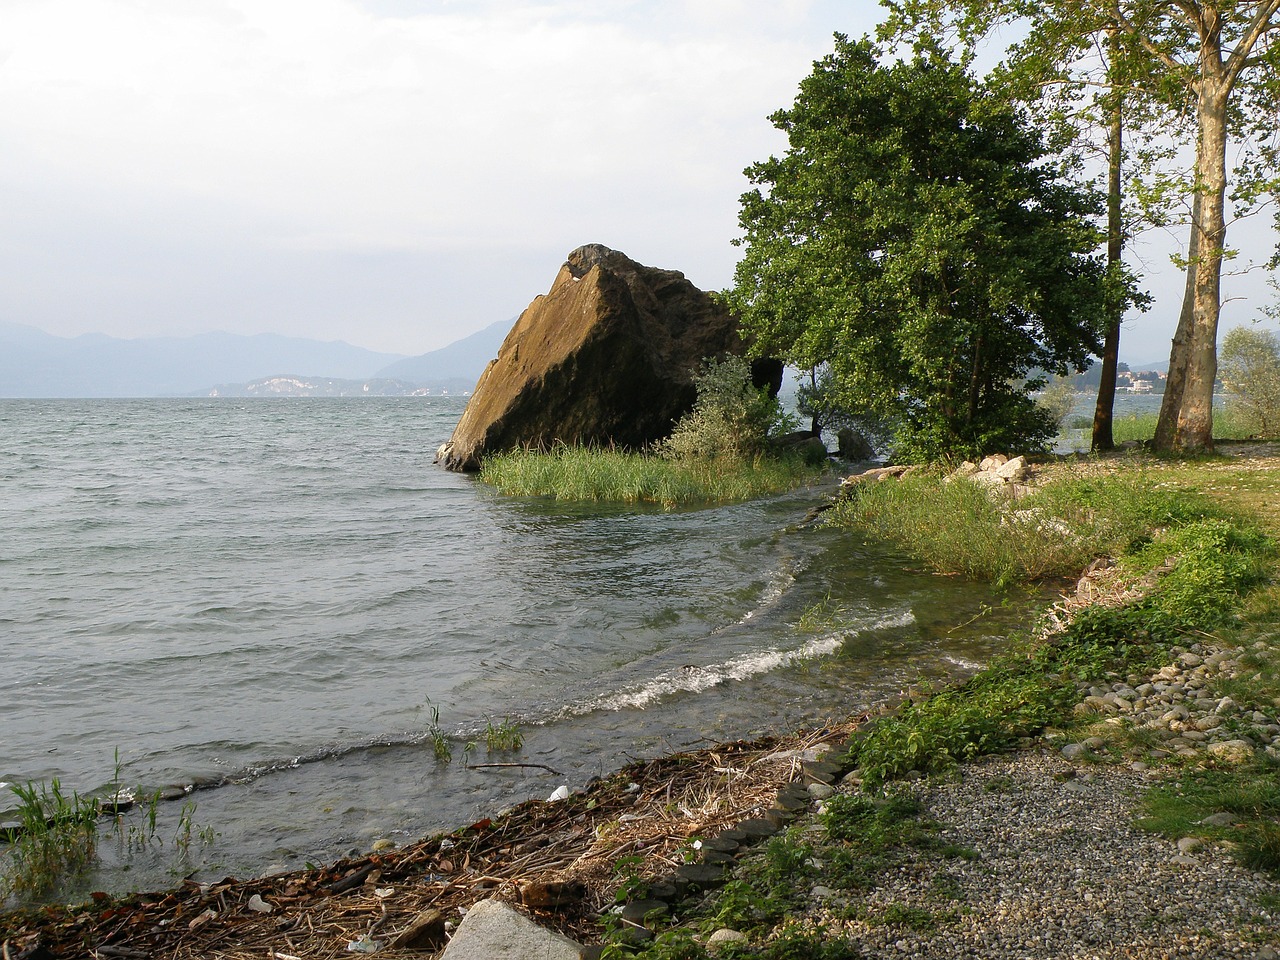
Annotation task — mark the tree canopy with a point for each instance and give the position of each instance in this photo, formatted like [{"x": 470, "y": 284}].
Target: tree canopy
[
  {"x": 1207, "y": 69},
  {"x": 918, "y": 240}
]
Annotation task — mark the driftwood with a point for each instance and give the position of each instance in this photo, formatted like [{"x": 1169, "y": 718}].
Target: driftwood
[
  {"x": 425, "y": 930},
  {"x": 540, "y": 766},
  {"x": 651, "y": 809}
]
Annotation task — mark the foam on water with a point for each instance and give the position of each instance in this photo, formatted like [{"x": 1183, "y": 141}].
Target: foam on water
[{"x": 691, "y": 678}]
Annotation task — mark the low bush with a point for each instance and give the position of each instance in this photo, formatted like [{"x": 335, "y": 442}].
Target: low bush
[{"x": 731, "y": 420}]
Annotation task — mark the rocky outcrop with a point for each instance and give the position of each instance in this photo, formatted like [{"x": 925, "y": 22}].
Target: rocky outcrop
[
  {"x": 607, "y": 356},
  {"x": 997, "y": 472}
]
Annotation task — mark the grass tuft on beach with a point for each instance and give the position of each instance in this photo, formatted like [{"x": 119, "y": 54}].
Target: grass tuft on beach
[{"x": 599, "y": 474}]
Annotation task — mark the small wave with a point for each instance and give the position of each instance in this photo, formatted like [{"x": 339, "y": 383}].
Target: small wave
[
  {"x": 775, "y": 589},
  {"x": 964, "y": 663},
  {"x": 696, "y": 679}
]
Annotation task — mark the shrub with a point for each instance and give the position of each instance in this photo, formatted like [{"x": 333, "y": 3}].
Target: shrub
[
  {"x": 1249, "y": 364},
  {"x": 731, "y": 420}
]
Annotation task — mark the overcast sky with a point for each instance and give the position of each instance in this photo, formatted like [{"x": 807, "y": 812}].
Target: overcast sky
[{"x": 395, "y": 173}]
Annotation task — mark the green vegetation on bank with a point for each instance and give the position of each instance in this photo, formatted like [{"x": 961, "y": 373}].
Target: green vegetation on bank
[
  {"x": 1229, "y": 423},
  {"x": 56, "y": 834},
  {"x": 958, "y": 528},
  {"x": 1186, "y": 569},
  {"x": 580, "y": 473},
  {"x": 57, "y": 837},
  {"x": 1191, "y": 562}
]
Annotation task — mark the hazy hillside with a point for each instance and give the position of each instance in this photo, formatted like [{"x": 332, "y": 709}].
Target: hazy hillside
[
  {"x": 464, "y": 360},
  {"x": 37, "y": 364},
  {"x": 291, "y": 386}
]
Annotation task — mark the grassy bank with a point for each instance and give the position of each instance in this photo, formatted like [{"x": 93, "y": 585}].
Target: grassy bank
[
  {"x": 603, "y": 475},
  {"x": 1187, "y": 570},
  {"x": 1228, "y": 424}
]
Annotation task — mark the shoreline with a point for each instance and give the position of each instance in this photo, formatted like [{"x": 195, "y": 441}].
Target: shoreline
[
  {"x": 1052, "y": 866},
  {"x": 651, "y": 807},
  {"x": 1059, "y": 869}
]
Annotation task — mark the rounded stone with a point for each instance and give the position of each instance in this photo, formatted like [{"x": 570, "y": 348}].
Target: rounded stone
[
  {"x": 641, "y": 911},
  {"x": 757, "y": 829},
  {"x": 700, "y": 875},
  {"x": 724, "y": 937},
  {"x": 721, "y": 843},
  {"x": 1232, "y": 751}
]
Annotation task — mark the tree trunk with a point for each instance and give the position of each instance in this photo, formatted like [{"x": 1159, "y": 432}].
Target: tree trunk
[
  {"x": 1103, "y": 411},
  {"x": 1176, "y": 376},
  {"x": 1188, "y": 427}
]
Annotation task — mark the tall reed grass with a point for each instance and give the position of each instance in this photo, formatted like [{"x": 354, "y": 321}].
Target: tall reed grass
[
  {"x": 596, "y": 474},
  {"x": 57, "y": 837}
]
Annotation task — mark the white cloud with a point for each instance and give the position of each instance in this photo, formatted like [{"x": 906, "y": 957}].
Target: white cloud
[
  {"x": 285, "y": 127},
  {"x": 272, "y": 164}
]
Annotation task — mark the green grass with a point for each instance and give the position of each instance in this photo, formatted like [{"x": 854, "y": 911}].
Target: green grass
[
  {"x": 958, "y": 528},
  {"x": 1178, "y": 808},
  {"x": 504, "y": 736},
  {"x": 1228, "y": 424},
  {"x": 58, "y": 839},
  {"x": 1207, "y": 560},
  {"x": 602, "y": 475}
]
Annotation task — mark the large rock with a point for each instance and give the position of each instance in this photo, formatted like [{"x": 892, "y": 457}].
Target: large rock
[
  {"x": 493, "y": 931},
  {"x": 607, "y": 356}
]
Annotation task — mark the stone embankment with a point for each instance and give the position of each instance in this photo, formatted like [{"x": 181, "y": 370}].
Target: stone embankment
[{"x": 1179, "y": 710}]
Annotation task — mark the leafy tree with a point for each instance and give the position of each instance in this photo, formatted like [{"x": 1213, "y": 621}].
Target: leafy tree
[
  {"x": 1213, "y": 69},
  {"x": 1096, "y": 114},
  {"x": 1250, "y": 368},
  {"x": 917, "y": 240},
  {"x": 730, "y": 420}
]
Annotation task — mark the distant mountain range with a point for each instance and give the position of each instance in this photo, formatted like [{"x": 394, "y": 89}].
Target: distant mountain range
[{"x": 38, "y": 364}]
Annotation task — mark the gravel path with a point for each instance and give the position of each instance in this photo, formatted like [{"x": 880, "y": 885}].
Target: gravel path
[{"x": 1062, "y": 873}]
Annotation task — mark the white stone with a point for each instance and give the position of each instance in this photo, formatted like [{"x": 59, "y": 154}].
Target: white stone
[
  {"x": 1013, "y": 470},
  {"x": 722, "y": 937},
  {"x": 1232, "y": 751},
  {"x": 494, "y": 931}
]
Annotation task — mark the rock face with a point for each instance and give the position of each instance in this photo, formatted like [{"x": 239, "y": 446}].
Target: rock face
[{"x": 607, "y": 356}]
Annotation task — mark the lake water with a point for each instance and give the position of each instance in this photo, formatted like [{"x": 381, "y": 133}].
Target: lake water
[{"x": 268, "y": 602}]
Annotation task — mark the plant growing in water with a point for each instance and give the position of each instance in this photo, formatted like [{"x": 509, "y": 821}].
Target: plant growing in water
[
  {"x": 504, "y": 736},
  {"x": 58, "y": 837},
  {"x": 439, "y": 741}
]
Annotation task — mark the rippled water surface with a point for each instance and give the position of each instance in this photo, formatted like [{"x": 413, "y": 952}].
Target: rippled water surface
[{"x": 271, "y": 600}]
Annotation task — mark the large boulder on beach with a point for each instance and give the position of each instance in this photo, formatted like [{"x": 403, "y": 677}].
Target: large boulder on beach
[{"x": 606, "y": 357}]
